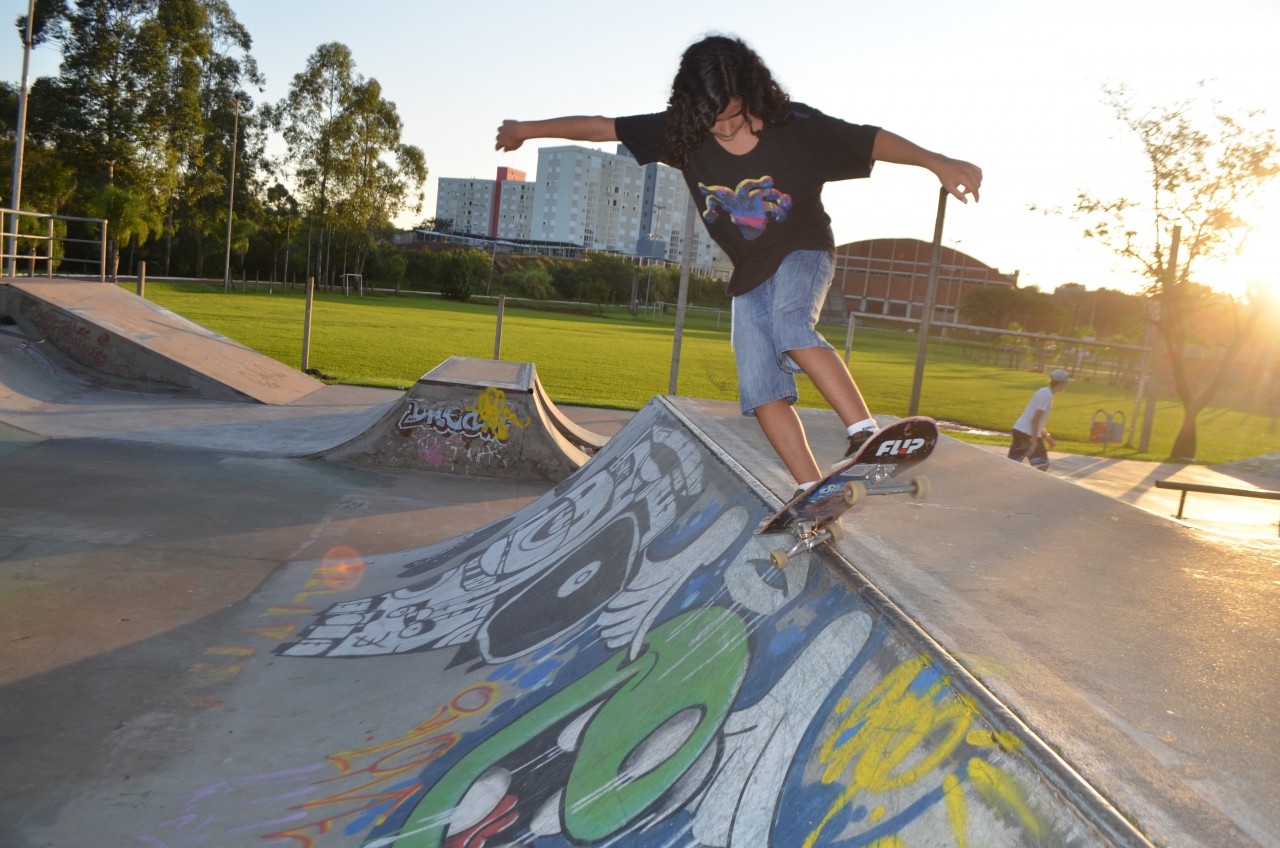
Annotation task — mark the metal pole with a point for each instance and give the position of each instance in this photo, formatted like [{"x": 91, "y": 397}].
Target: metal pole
[
  {"x": 848, "y": 338},
  {"x": 682, "y": 300},
  {"x": 306, "y": 323},
  {"x": 142, "y": 279},
  {"x": 922, "y": 343},
  {"x": 102, "y": 252},
  {"x": 15, "y": 194},
  {"x": 1157, "y": 369},
  {"x": 497, "y": 336},
  {"x": 231, "y": 193}
]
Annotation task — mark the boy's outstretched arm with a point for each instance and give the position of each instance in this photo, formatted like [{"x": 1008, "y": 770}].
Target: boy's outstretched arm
[
  {"x": 958, "y": 177},
  {"x": 512, "y": 134}
]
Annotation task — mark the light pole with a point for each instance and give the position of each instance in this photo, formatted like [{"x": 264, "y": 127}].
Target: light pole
[
  {"x": 922, "y": 343},
  {"x": 15, "y": 194},
  {"x": 231, "y": 193}
]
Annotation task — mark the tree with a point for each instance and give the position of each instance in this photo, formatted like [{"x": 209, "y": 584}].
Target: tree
[
  {"x": 142, "y": 97},
  {"x": 281, "y": 209},
  {"x": 1003, "y": 306},
  {"x": 215, "y": 112},
  {"x": 439, "y": 225},
  {"x": 387, "y": 174},
  {"x": 1203, "y": 164},
  {"x": 315, "y": 120},
  {"x": 349, "y": 163},
  {"x": 460, "y": 272}
]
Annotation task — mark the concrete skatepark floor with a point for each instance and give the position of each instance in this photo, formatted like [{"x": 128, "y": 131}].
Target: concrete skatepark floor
[{"x": 205, "y": 640}]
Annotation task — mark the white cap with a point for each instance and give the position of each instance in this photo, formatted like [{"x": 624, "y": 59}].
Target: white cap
[{"x": 1058, "y": 375}]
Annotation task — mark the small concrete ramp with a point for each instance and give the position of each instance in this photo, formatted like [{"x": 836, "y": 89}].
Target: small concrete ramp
[
  {"x": 615, "y": 664},
  {"x": 117, "y": 339},
  {"x": 479, "y": 417}
]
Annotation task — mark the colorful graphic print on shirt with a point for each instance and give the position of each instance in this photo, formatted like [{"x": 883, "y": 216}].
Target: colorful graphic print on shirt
[{"x": 750, "y": 206}]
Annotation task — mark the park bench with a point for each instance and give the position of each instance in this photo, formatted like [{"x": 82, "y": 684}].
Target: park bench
[{"x": 1215, "y": 490}]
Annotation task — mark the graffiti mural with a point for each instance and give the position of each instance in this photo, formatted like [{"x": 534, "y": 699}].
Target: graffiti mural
[
  {"x": 623, "y": 666},
  {"x": 448, "y": 435}
]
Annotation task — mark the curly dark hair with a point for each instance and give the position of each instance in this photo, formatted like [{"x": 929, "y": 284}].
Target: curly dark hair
[{"x": 712, "y": 72}]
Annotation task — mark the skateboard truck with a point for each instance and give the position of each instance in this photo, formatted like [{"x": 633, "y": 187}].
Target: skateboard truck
[
  {"x": 810, "y": 534},
  {"x": 813, "y": 515}
]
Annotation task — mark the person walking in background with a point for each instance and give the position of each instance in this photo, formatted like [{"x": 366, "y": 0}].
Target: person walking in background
[
  {"x": 755, "y": 163},
  {"x": 1029, "y": 434}
]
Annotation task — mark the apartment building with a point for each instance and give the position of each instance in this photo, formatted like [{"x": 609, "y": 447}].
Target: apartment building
[
  {"x": 583, "y": 196},
  {"x": 587, "y": 197},
  {"x": 466, "y": 203},
  {"x": 513, "y": 212}
]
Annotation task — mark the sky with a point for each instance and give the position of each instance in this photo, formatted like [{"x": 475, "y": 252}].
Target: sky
[{"x": 1012, "y": 85}]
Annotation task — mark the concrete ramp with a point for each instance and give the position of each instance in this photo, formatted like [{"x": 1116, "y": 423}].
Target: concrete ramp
[
  {"x": 614, "y": 664},
  {"x": 117, "y": 339},
  {"x": 477, "y": 417}
]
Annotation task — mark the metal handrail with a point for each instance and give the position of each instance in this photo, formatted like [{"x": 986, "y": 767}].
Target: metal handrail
[{"x": 10, "y": 257}]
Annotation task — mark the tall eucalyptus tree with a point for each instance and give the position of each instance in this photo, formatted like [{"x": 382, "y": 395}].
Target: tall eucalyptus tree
[{"x": 349, "y": 164}]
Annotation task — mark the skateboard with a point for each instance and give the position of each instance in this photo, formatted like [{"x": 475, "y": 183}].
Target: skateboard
[{"x": 814, "y": 516}]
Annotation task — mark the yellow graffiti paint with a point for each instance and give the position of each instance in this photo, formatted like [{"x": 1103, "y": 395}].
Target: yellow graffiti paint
[
  {"x": 493, "y": 414},
  {"x": 229, "y": 651},
  {"x": 998, "y": 739},
  {"x": 1003, "y": 792},
  {"x": 275, "y": 632},
  {"x": 287, "y": 609},
  {"x": 957, "y": 810},
  {"x": 208, "y": 674},
  {"x": 903, "y": 731}
]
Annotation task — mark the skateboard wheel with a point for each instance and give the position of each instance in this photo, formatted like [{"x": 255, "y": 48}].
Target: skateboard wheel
[
  {"x": 779, "y": 559},
  {"x": 921, "y": 488},
  {"x": 854, "y": 492},
  {"x": 835, "y": 530}
]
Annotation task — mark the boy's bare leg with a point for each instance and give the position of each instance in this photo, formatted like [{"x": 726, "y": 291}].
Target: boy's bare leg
[
  {"x": 831, "y": 377},
  {"x": 781, "y": 425}
]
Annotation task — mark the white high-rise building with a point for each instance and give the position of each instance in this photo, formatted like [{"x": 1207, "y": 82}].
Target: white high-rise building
[
  {"x": 499, "y": 207},
  {"x": 583, "y": 196},
  {"x": 515, "y": 210},
  {"x": 587, "y": 197},
  {"x": 666, "y": 205},
  {"x": 467, "y": 204}
]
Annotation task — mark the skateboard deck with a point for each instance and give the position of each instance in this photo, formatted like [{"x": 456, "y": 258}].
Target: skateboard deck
[{"x": 812, "y": 517}]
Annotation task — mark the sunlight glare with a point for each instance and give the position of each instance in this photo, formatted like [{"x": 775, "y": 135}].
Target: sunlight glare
[{"x": 1256, "y": 265}]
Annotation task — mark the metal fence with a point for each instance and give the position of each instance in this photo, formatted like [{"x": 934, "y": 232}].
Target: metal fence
[{"x": 46, "y": 243}]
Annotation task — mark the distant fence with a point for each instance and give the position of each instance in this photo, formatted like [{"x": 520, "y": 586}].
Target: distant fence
[
  {"x": 46, "y": 243},
  {"x": 1113, "y": 362}
]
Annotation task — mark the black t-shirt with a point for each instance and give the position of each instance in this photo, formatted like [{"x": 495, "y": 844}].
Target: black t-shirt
[{"x": 766, "y": 203}]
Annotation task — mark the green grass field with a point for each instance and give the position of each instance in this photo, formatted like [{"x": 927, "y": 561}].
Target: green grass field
[{"x": 615, "y": 360}]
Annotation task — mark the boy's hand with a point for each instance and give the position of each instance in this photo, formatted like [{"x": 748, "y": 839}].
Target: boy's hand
[
  {"x": 960, "y": 178},
  {"x": 508, "y": 136}
]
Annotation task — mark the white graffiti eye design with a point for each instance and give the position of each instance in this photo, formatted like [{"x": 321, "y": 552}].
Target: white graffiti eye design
[
  {"x": 546, "y": 821},
  {"x": 658, "y": 747},
  {"x": 578, "y": 580},
  {"x": 480, "y": 800}
]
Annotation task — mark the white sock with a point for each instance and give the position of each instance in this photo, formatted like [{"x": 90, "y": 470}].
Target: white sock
[
  {"x": 807, "y": 486},
  {"x": 864, "y": 424}
]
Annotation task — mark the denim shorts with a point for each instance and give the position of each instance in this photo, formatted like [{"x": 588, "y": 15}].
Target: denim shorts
[
  {"x": 1021, "y": 449},
  {"x": 777, "y": 316}
]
